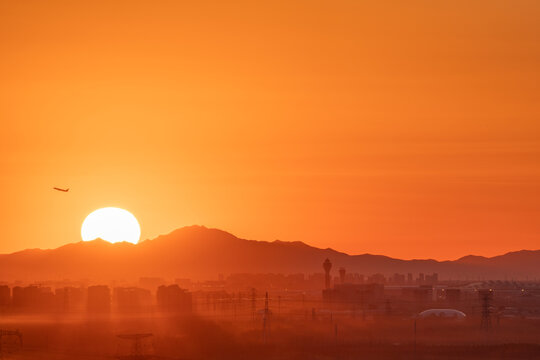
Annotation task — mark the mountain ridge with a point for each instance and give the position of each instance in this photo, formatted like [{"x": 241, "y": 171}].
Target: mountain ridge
[{"x": 199, "y": 252}]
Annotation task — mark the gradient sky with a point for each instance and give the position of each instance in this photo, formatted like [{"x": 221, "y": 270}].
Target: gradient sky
[{"x": 404, "y": 128}]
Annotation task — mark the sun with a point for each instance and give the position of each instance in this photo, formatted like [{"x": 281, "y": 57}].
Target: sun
[{"x": 111, "y": 224}]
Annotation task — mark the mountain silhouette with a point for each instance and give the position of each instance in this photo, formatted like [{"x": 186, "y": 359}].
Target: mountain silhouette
[{"x": 198, "y": 252}]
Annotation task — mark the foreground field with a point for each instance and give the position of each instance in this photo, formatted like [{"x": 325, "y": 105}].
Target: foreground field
[{"x": 89, "y": 338}]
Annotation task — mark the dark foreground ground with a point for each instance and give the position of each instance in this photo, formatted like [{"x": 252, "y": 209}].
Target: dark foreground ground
[{"x": 191, "y": 337}]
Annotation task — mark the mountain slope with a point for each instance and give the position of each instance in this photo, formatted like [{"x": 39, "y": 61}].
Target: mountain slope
[{"x": 197, "y": 252}]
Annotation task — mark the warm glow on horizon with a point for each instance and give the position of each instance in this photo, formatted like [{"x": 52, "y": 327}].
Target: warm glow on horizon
[{"x": 111, "y": 224}]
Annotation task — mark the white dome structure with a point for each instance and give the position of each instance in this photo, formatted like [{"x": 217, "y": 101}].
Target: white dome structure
[{"x": 442, "y": 313}]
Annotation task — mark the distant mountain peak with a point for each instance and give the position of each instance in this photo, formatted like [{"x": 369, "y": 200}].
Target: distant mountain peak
[{"x": 291, "y": 243}]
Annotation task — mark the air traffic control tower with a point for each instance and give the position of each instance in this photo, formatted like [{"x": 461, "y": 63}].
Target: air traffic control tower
[{"x": 327, "y": 265}]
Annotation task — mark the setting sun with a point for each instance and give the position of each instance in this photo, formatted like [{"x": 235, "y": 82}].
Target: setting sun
[
  {"x": 111, "y": 224},
  {"x": 270, "y": 179}
]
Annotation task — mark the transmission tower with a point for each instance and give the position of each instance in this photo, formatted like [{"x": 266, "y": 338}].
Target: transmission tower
[
  {"x": 266, "y": 319},
  {"x": 136, "y": 351},
  {"x": 7, "y": 346},
  {"x": 486, "y": 297}
]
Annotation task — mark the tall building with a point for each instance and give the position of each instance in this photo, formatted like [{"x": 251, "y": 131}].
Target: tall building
[
  {"x": 69, "y": 299},
  {"x": 99, "y": 299},
  {"x": 33, "y": 298},
  {"x": 377, "y": 279},
  {"x": 354, "y": 295},
  {"x": 18, "y": 300},
  {"x": 5, "y": 295},
  {"x": 342, "y": 272},
  {"x": 132, "y": 299},
  {"x": 174, "y": 299}
]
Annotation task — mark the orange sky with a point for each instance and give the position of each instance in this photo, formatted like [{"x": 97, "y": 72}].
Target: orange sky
[{"x": 405, "y": 128}]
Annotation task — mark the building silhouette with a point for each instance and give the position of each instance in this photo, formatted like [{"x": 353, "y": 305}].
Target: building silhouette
[
  {"x": 132, "y": 299},
  {"x": 342, "y": 273},
  {"x": 33, "y": 298},
  {"x": 172, "y": 298},
  {"x": 69, "y": 299},
  {"x": 5, "y": 296},
  {"x": 98, "y": 299},
  {"x": 354, "y": 295}
]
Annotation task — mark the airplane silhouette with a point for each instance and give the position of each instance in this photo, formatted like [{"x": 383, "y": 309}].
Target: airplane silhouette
[{"x": 59, "y": 189}]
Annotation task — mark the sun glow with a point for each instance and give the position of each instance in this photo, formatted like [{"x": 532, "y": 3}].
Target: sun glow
[{"x": 111, "y": 224}]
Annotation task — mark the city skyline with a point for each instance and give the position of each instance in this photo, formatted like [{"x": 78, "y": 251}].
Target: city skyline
[{"x": 270, "y": 180}]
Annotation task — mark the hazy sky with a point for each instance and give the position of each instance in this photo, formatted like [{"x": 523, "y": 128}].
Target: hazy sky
[{"x": 404, "y": 128}]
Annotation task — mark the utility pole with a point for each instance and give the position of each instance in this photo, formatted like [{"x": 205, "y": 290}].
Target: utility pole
[
  {"x": 253, "y": 302},
  {"x": 415, "y": 318},
  {"x": 240, "y": 301},
  {"x": 304, "y": 304}
]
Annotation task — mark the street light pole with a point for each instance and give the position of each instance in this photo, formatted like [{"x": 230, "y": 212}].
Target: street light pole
[{"x": 415, "y": 336}]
